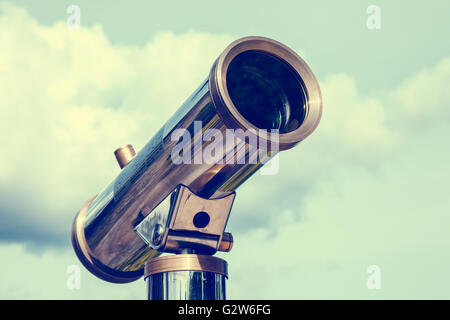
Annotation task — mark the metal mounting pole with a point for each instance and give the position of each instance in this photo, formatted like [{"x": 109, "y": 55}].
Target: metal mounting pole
[
  {"x": 186, "y": 277},
  {"x": 192, "y": 228}
]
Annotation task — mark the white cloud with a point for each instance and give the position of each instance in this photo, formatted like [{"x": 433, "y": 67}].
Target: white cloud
[
  {"x": 397, "y": 219},
  {"x": 370, "y": 187},
  {"x": 69, "y": 98},
  {"x": 26, "y": 275},
  {"x": 353, "y": 133},
  {"x": 422, "y": 101}
]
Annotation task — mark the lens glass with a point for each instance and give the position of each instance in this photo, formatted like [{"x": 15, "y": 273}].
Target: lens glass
[{"x": 266, "y": 91}]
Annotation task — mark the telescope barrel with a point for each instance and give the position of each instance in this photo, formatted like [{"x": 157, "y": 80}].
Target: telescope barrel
[{"x": 259, "y": 93}]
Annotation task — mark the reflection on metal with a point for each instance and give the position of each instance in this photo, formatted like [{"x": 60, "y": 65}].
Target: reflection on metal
[
  {"x": 103, "y": 234},
  {"x": 186, "y": 285},
  {"x": 186, "y": 277},
  {"x": 182, "y": 221},
  {"x": 85, "y": 254},
  {"x": 124, "y": 155}
]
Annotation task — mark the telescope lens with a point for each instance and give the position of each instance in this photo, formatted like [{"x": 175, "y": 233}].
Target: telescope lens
[{"x": 266, "y": 91}]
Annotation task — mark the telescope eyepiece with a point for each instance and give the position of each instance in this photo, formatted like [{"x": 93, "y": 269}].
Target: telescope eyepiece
[
  {"x": 258, "y": 84},
  {"x": 266, "y": 91}
]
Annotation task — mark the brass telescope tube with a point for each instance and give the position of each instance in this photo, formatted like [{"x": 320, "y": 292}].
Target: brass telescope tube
[{"x": 256, "y": 85}]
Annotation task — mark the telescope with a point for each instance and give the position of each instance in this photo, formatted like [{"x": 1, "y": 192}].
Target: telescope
[{"x": 164, "y": 216}]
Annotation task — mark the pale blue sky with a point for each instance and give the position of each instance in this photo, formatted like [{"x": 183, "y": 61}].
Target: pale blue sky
[
  {"x": 334, "y": 34},
  {"x": 369, "y": 187}
]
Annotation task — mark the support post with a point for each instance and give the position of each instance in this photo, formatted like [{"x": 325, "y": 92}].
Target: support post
[{"x": 186, "y": 277}]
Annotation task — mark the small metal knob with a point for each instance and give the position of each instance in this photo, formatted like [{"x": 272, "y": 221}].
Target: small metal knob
[
  {"x": 227, "y": 242},
  {"x": 124, "y": 155}
]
